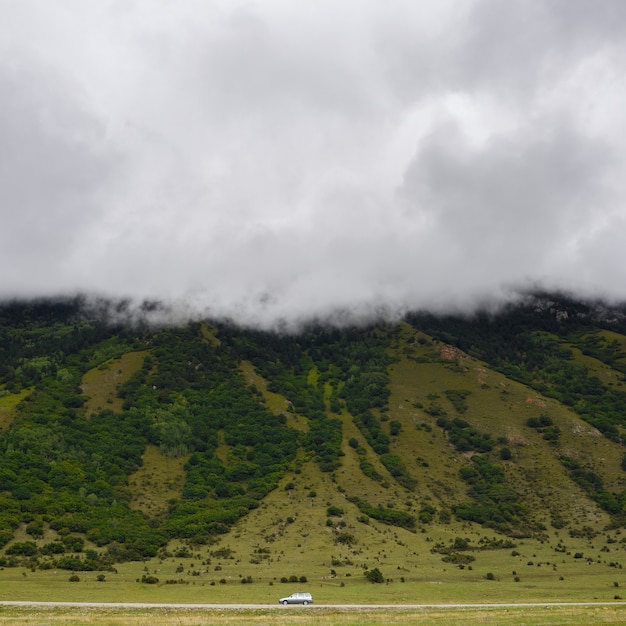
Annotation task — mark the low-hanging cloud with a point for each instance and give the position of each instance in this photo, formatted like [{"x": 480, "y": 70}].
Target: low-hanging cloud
[{"x": 270, "y": 160}]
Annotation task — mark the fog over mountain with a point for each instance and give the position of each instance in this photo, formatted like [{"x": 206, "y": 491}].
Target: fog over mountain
[{"x": 273, "y": 160}]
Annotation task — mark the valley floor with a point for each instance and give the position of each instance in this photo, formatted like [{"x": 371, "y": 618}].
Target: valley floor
[{"x": 504, "y": 615}]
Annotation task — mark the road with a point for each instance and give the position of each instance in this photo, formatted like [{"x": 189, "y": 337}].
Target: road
[{"x": 359, "y": 607}]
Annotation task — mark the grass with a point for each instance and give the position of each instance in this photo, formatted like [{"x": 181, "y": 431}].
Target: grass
[
  {"x": 544, "y": 574},
  {"x": 100, "y": 384},
  {"x": 500, "y": 407},
  {"x": 8, "y": 402},
  {"x": 158, "y": 480},
  {"x": 321, "y": 616},
  {"x": 275, "y": 402}
]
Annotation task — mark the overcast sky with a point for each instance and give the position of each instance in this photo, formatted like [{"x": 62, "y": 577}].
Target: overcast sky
[{"x": 277, "y": 159}]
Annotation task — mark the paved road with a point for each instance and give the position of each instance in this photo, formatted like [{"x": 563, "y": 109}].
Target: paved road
[{"x": 146, "y": 605}]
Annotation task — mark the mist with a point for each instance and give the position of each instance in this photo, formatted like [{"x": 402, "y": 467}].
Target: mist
[{"x": 272, "y": 162}]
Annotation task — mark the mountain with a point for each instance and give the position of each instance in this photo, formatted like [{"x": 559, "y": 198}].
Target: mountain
[{"x": 325, "y": 453}]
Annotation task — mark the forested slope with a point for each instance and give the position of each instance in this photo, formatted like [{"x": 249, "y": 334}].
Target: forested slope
[{"x": 514, "y": 422}]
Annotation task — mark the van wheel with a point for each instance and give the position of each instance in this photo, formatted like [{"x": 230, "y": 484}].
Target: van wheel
[
  {"x": 305, "y": 603},
  {"x": 285, "y": 603}
]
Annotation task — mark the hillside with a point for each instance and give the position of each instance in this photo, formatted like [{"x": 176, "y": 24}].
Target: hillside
[{"x": 434, "y": 442}]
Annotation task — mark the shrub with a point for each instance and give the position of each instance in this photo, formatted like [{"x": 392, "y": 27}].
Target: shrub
[
  {"x": 74, "y": 543},
  {"x": 149, "y": 580},
  {"x": 345, "y": 538},
  {"x": 35, "y": 529},
  {"x": 55, "y": 547},
  {"x": 458, "y": 558},
  {"x": 334, "y": 511},
  {"x": 426, "y": 514},
  {"x": 394, "y": 428},
  {"x": 25, "y": 548},
  {"x": 457, "y": 398},
  {"x": 375, "y": 576},
  {"x": 70, "y": 562},
  {"x": 393, "y": 517}
]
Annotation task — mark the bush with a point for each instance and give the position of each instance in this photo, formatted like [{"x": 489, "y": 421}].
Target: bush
[
  {"x": 55, "y": 547},
  {"x": 35, "y": 529},
  {"x": 71, "y": 563},
  {"x": 393, "y": 517},
  {"x": 334, "y": 511},
  {"x": 395, "y": 428},
  {"x": 345, "y": 538},
  {"x": 375, "y": 576},
  {"x": 458, "y": 558},
  {"x": 25, "y": 548},
  {"x": 149, "y": 580}
]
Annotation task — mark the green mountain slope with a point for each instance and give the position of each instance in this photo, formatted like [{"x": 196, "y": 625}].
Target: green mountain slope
[{"x": 325, "y": 454}]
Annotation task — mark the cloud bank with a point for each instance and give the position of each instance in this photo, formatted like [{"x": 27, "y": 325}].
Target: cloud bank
[{"x": 278, "y": 160}]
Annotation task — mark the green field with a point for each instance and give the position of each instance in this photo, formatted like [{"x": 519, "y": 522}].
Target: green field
[{"x": 322, "y": 616}]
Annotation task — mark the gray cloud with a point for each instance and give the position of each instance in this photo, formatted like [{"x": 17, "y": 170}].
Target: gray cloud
[
  {"x": 273, "y": 160},
  {"x": 51, "y": 173}
]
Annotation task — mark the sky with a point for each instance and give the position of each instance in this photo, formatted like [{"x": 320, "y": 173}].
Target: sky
[{"x": 274, "y": 161}]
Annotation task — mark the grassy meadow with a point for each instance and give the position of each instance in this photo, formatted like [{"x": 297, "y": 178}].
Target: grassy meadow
[
  {"x": 316, "y": 616},
  {"x": 533, "y": 572}
]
